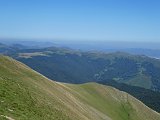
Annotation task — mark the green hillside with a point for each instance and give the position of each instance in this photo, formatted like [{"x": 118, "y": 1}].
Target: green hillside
[{"x": 27, "y": 95}]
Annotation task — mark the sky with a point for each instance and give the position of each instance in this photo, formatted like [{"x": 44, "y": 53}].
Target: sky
[{"x": 93, "y": 20}]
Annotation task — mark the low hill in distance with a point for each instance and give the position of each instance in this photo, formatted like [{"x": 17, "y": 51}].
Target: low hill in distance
[{"x": 26, "y": 94}]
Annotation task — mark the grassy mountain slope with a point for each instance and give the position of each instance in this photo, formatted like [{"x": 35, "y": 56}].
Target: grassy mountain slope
[
  {"x": 148, "y": 97},
  {"x": 25, "y": 94}
]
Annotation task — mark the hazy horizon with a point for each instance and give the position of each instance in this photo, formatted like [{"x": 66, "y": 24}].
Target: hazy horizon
[{"x": 84, "y": 45}]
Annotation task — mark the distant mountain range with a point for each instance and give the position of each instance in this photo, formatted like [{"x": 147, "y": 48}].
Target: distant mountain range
[
  {"x": 26, "y": 94},
  {"x": 137, "y": 48},
  {"x": 154, "y": 53}
]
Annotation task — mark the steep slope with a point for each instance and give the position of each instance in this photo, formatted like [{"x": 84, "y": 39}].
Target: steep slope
[
  {"x": 148, "y": 97},
  {"x": 26, "y": 94}
]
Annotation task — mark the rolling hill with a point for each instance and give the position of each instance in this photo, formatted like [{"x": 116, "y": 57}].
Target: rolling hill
[
  {"x": 148, "y": 97},
  {"x": 26, "y": 94}
]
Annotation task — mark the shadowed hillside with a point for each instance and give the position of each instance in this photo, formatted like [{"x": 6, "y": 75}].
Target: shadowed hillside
[{"x": 71, "y": 66}]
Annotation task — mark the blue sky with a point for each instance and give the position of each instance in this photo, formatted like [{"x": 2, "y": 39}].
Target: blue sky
[{"x": 105, "y": 20}]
